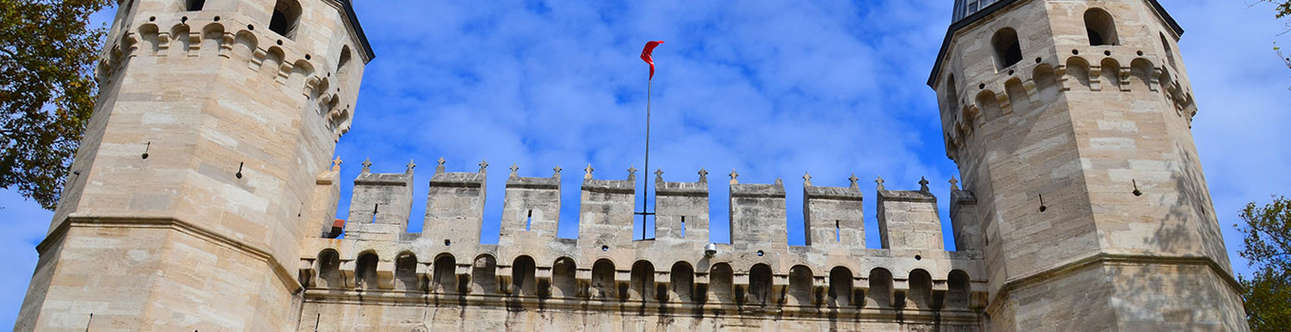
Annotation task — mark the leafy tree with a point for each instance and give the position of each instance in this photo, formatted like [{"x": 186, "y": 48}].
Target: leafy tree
[
  {"x": 1283, "y": 7},
  {"x": 1267, "y": 244},
  {"x": 47, "y": 90}
]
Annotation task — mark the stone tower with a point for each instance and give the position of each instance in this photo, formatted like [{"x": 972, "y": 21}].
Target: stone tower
[
  {"x": 1070, "y": 123},
  {"x": 205, "y": 164}
]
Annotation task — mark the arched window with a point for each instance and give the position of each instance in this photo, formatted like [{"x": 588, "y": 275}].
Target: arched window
[
  {"x": 642, "y": 281},
  {"x": 405, "y": 271},
  {"x": 957, "y": 295},
  {"x": 342, "y": 64},
  {"x": 483, "y": 274},
  {"x": 683, "y": 281},
  {"x": 721, "y": 282},
  {"x": 800, "y": 285},
  {"x": 880, "y": 287},
  {"x": 366, "y": 270},
  {"x": 603, "y": 285},
  {"x": 445, "y": 276},
  {"x": 1007, "y": 49},
  {"x": 759, "y": 284},
  {"x": 522, "y": 277},
  {"x": 329, "y": 264},
  {"x": 563, "y": 283},
  {"x": 286, "y": 14},
  {"x": 920, "y": 289},
  {"x": 840, "y": 286},
  {"x": 1100, "y": 27},
  {"x": 1169, "y": 52},
  {"x": 194, "y": 5}
]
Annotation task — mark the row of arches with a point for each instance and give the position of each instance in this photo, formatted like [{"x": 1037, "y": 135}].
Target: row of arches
[
  {"x": 283, "y": 20},
  {"x": 839, "y": 290},
  {"x": 1100, "y": 30},
  {"x": 269, "y": 63}
]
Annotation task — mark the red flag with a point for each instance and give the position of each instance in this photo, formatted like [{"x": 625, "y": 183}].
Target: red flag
[{"x": 646, "y": 54}]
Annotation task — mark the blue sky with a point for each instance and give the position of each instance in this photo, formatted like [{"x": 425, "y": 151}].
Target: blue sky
[{"x": 771, "y": 89}]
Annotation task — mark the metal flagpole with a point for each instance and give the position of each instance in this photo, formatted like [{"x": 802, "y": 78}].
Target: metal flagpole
[{"x": 645, "y": 205}]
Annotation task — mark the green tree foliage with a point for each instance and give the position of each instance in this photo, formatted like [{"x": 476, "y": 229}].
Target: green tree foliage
[
  {"x": 47, "y": 90},
  {"x": 1267, "y": 244},
  {"x": 1283, "y": 7}
]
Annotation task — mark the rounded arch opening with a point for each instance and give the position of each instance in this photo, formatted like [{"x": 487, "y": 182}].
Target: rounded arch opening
[
  {"x": 800, "y": 285},
  {"x": 880, "y": 288},
  {"x": 642, "y": 281},
  {"x": 484, "y": 274},
  {"x": 957, "y": 289},
  {"x": 603, "y": 285},
  {"x": 342, "y": 64},
  {"x": 365, "y": 270},
  {"x": 285, "y": 17},
  {"x": 721, "y": 279},
  {"x": 920, "y": 288},
  {"x": 1100, "y": 27},
  {"x": 840, "y": 286},
  {"x": 445, "y": 275},
  {"x": 522, "y": 276},
  {"x": 1007, "y": 49},
  {"x": 682, "y": 281},
  {"x": 759, "y": 284},
  {"x": 405, "y": 271},
  {"x": 563, "y": 280},
  {"x": 329, "y": 265},
  {"x": 194, "y": 5},
  {"x": 1169, "y": 52}
]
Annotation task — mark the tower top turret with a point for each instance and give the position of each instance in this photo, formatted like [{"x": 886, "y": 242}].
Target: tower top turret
[{"x": 966, "y": 12}]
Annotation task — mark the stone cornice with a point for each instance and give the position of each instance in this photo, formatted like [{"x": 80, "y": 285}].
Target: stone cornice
[
  {"x": 637, "y": 307},
  {"x": 1073, "y": 266},
  {"x": 108, "y": 221}
]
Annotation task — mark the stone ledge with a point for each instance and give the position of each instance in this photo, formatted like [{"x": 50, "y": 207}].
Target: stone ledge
[
  {"x": 1075, "y": 265},
  {"x": 287, "y": 278},
  {"x": 638, "y": 307}
]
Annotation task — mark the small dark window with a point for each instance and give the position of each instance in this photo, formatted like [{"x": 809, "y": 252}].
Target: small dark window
[
  {"x": 366, "y": 270},
  {"x": 286, "y": 13},
  {"x": 194, "y": 5},
  {"x": 345, "y": 60},
  {"x": 1007, "y": 49},
  {"x": 1100, "y": 27},
  {"x": 1169, "y": 53}
]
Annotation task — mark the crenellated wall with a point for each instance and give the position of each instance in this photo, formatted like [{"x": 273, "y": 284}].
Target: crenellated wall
[{"x": 833, "y": 279}]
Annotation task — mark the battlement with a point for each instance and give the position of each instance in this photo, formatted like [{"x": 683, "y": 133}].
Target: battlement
[
  {"x": 605, "y": 266},
  {"x": 210, "y": 38}
]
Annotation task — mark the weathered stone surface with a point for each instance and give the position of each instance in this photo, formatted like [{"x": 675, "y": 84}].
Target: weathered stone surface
[{"x": 1083, "y": 205}]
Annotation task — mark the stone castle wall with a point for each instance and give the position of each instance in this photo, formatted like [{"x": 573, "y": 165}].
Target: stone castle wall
[{"x": 534, "y": 280}]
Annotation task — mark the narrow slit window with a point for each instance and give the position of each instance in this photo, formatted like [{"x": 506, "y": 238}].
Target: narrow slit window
[
  {"x": 374, "y": 212},
  {"x": 528, "y": 222},
  {"x": 683, "y": 227},
  {"x": 838, "y": 236}
]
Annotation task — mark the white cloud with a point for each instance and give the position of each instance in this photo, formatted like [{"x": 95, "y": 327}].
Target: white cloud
[{"x": 770, "y": 89}]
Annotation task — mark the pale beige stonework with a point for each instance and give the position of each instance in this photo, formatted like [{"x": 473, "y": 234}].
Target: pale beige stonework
[{"x": 224, "y": 225}]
